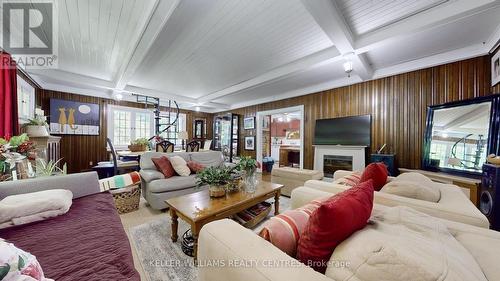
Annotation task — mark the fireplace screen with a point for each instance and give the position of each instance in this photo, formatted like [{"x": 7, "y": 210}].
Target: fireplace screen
[{"x": 332, "y": 163}]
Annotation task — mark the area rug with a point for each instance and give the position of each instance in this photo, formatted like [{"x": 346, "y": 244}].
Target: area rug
[{"x": 163, "y": 260}]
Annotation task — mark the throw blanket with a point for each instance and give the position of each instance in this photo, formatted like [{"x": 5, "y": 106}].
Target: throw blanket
[
  {"x": 120, "y": 181},
  {"x": 35, "y": 206}
]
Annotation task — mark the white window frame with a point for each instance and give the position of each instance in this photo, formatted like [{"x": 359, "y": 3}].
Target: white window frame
[
  {"x": 25, "y": 89},
  {"x": 133, "y": 111}
]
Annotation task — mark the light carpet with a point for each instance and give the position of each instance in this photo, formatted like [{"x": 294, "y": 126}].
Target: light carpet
[{"x": 163, "y": 260}]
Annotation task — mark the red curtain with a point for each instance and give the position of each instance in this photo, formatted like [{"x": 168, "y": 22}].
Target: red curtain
[{"x": 9, "y": 124}]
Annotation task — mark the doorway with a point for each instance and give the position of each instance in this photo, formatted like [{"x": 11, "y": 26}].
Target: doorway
[{"x": 280, "y": 136}]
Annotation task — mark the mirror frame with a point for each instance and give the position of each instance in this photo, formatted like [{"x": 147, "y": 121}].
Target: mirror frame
[
  {"x": 493, "y": 132},
  {"x": 200, "y": 122}
]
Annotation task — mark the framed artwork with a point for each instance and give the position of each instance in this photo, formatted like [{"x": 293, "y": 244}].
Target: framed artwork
[
  {"x": 495, "y": 68},
  {"x": 249, "y": 123},
  {"x": 74, "y": 118},
  {"x": 250, "y": 143}
]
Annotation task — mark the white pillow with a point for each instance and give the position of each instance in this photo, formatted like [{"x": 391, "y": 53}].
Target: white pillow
[
  {"x": 420, "y": 191},
  {"x": 180, "y": 166},
  {"x": 403, "y": 244}
]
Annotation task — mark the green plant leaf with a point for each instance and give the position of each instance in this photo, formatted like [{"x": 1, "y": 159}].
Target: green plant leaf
[
  {"x": 21, "y": 263},
  {"x": 4, "y": 270}
]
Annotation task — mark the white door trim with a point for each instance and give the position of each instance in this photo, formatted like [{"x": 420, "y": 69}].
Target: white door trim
[{"x": 260, "y": 118}]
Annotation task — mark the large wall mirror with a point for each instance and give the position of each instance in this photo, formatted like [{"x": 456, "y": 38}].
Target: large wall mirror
[{"x": 459, "y": 135}]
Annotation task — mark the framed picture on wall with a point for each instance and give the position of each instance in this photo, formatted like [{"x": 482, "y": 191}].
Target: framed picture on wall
[
  {"x": 495, "y": 68},
  {"x": 250, "y": 143},
  {"x": 249, "y": 123},
  {"x": 74, "y": 118}
]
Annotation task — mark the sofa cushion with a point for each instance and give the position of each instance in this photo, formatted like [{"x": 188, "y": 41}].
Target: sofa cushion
[
  {"x": 171, "y": 184},
  {"x": 297, "y": 174},
  {"x": 147, "y": 163},
  {"x": 164, "y": 166},
  {"x": 403, "y": 244},
  {"x": 208, "y": 158},
  {"x": 284, "y": 230},
  {"x": 335, "y": 220},
  {"x": 377, "y": 172},
  {"x": 350, "y": 180},
  {"x": 180, "y": 166},
  {"x": 413, "y": 190}
]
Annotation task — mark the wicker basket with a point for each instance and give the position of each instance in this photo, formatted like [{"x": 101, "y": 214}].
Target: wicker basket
[
  {"x": 254, "y": 215},
  {"x": 126, "y": 199},
  {"x": 137, "y": 147}
]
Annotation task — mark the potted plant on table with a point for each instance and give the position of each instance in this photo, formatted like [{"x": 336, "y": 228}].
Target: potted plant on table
[
  {"x": 216, "y": 178},
  {"x": 36, "y": 127},
  {"x": 15, "y": 156},
  {"x": 140, "y": 144},
  {"x": 249, "y": 166}
]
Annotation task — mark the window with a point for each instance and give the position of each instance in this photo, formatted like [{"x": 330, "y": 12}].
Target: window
[
  {"x": 126, "y": 124},
  {"x": 25, "y": 100},
  {"x": 173, "y": 131}
]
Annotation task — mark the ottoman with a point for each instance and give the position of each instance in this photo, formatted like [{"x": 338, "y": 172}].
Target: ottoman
[{"x": 292, "y": 178}]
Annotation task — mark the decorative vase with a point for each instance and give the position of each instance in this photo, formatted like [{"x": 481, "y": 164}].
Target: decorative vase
[
  {"x": 216, "y": 191},
  {"x": 250, "y": 181}
]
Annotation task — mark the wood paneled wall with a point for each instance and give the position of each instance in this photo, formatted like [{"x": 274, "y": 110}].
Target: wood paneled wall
[
  {"x": 398, "y": 105},
  {"x": 82, "y": 152}
]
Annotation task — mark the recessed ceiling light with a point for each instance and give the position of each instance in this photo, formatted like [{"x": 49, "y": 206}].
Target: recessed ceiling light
[{"x": 197, "y": 108}]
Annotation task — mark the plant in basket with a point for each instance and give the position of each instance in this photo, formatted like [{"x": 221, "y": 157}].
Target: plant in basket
[
  {"x": 216, "y": 178},
  {"x": 14, "y": 155},
  {"x": 140, "y": 144}
]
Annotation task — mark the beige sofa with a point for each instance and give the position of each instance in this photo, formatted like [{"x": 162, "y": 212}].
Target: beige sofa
[
  {"x": 228, "y": 251},
  {"x": 453, "y": 204},
  {"x": 156, "y": 189}
]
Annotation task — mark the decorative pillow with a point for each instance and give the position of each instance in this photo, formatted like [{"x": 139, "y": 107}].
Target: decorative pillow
[
  {"x": 180, "y": 166},
  {"x": 351, "y": 180},
  {"x": 414, "y": 190},
  {"x": 16, "y": 264},
  {"x": 283, "y": 230},
  {"x": 332, "y": 222},
  {"x": 195, "y": 167},
  {"x": 164, "y": 166},
  {"x": 377, "y": 172}
]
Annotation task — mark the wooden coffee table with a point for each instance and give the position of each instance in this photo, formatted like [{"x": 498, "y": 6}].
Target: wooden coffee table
[{"x": 198, "y": 209}]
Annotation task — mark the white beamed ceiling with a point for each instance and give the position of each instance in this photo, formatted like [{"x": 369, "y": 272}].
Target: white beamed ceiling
[{"x": 224, "y": 54}]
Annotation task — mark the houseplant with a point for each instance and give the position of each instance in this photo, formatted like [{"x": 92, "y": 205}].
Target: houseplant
[
  {"x": 15, "y": 154},
  {"x": 140, "y": 144},
  {"x": 248, "y": 166},
  {"x": 36, "y": 127},
  {"x": 216, "y": 178}
]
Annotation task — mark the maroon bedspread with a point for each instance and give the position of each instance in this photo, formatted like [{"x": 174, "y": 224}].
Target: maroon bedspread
[{"x": 87, "y": 243}]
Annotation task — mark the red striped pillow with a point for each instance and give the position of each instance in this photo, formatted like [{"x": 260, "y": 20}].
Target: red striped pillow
[
  {"x": 351, "y": 180},
  {"x": 284, "y": 230}
]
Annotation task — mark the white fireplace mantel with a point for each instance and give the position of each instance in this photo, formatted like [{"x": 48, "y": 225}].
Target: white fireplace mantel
[{"x": 358, "y": 154}]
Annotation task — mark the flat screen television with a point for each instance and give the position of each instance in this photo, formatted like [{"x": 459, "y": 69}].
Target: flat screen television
[{"x": 352, "y": 130}]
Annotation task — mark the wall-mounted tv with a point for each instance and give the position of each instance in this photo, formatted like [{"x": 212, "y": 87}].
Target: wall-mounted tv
[{"x": 352, "y": 130}]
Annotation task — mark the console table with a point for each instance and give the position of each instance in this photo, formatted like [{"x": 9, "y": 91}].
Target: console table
[{"x": 468, "y": 183}]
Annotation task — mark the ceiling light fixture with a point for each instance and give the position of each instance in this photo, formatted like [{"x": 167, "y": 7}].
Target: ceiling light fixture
[
  {"x": 348, "y": 63},
  {"x": 197, "y": 109},
  {"x": 118, "y": 96}
]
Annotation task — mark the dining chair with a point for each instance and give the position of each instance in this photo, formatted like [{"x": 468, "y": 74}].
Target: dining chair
[
  {"x": 193, "y": 146},
  {"x": 165, "y": 146},
  {"x": 207, "y": 144}
]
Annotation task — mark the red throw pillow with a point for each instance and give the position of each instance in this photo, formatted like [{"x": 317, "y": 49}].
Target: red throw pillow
[
  {"x": 164, "y": 166},
  {"x": 376, "y": 172},
  {"x": 195, "y": 167},
  {"x": 333, "y": 222}
]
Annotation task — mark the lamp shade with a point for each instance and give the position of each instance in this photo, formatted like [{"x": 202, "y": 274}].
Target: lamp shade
[{"x": 183, "y": 135}]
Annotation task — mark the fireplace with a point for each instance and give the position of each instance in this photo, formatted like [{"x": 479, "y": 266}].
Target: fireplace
[
  {"x": 330, "y": 158},
  {"x": 332, "y": 163}
]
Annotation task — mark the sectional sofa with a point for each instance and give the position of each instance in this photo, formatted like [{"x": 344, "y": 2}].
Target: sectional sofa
[{"x": 398, "y": 244}]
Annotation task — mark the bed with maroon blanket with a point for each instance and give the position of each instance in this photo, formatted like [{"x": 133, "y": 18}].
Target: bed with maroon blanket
[{"x": 86, "y": 243}]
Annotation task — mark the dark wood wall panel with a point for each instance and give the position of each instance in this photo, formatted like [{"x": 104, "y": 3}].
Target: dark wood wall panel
[
  {"x": 398, "y": 105},
  {"x": 81, "y": 152}
]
